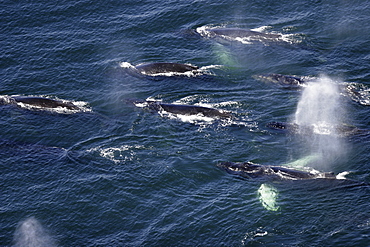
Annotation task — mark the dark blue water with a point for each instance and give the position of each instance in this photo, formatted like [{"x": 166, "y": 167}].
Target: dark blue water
[{"x": 117, "y": 175}]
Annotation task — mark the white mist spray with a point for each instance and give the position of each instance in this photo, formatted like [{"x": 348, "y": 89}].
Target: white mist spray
[
  {"x": 30, "y": 233},
  {"x": 318, "y": 115}
]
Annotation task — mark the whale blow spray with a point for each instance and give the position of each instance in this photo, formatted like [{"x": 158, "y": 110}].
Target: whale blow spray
[
  {"x": 30, "y": 233},
  {"x": 320, "y": 111}
]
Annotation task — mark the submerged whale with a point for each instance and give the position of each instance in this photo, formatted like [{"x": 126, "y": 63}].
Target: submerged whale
[
  {"x": 38, "y": 102},
  {"x": 285, "y": 80},
  {"x": 161, "y": 69},
  {"x": 251, "y": 170},
  {"x": 341, "y": 129},
  {"x": 185, "y": 109},
  {"x": 357, "y": 92},
  {"x": 238, "y": 34}
]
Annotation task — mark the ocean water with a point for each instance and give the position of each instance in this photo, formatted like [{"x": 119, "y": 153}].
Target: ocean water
[{"x": 114, "y": 174}]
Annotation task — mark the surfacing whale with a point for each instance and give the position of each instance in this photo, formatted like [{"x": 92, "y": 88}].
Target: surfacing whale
[
  {"x": 161, "y": 69},
  {"x": 241, "y": 33},
  {"x": 184, "y": 109},
  {"x": 357, "y": 92},
  {"x": 37, "y": 102},
  {"x": 285, "y": 80},
  {"x": 251, "y": 170},
  {"x": 238, "y": 34},
  {"x": 340, "y": 130}
]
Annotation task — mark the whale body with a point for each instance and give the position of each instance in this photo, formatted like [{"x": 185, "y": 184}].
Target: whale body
[
  {"x": 40, "y": 102},
  {"x": 285, "y": 80},
  {"x": 185, "y": 109},
  {"x": 161, "y": 69},
  {"x": 238, "y": 34},
  {"x": 341, "y": 129},
  {"x": 252, "y": 170},
  {"x": 158, "y": 68},
  {"x": 357, "y": 92}
]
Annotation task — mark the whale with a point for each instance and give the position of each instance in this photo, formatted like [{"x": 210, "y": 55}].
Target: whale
[
  {"x": 184, "y": 109},
  {"x": 161, "y": 69},
  {"x": 340, "y": 129},
  {"x": 238, "y": 34},
  {"x": 158, "y": 68},
  {"x": 285, "y": 80},
  {"x": 39, "y": 102},
  {"x": 252, "y": 170},
  {"x": 357, "y": 92}
]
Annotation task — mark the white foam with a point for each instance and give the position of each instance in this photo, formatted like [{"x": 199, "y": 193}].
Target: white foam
[
  {"x": 126, "y": 65},
  {"x": 188, "y": 118},
  {"x": 261, "y": 29},
  {"x": 141, "y": 104},
  {"x": 118, "y": 154},
  {"x": 342, "y": 175}
]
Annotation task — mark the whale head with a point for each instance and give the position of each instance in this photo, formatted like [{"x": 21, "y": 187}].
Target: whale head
[{"x": 244, "y": 169}]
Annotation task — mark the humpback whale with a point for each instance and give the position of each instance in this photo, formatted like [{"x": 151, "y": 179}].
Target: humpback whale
[
  {"x": 341, "y": 129},
  {"x": 185, "y": 109},
  {"x": 357, "y": 92},
  {"x": 158, "y": 68},
  {"x": 285, "y": 80},
  {"x": 161, "y": 69},
  {"x": 252, "y": 170},
  {"x": 238, "y": 34},
  {"x": 38, "y": 102}
]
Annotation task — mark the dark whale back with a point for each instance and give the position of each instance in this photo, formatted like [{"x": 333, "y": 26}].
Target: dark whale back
[
  {"x": 157, "y": 68},
  {"x": 241, "y": 33},
  {"x": 43, "y": 102},
  {"x": 284, "y": 80},
  {"x": 251, "y": 170},
  {"x": 188, "y": 110}
]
